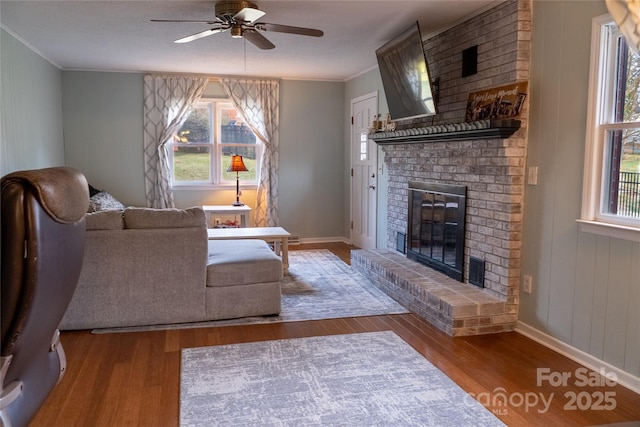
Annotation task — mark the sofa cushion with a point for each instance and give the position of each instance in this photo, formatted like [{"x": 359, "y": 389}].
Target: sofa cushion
[
  {"x": 105, "y": 220},
  {"x": 164, "y": 218},
  {"x": 241, "y": 262}
]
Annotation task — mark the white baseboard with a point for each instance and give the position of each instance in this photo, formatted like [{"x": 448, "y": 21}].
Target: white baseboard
[
  {"x": 623, "y": 378},
  {"x": 325, "y": 240}
]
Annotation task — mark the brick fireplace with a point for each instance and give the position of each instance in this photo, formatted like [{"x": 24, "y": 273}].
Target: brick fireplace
[
  {"x": 492, "y": 171},
  {"x": 489, "y": 164}
]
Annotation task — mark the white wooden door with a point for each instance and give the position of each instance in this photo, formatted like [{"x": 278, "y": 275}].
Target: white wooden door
[{"x": 363, "y": 172}]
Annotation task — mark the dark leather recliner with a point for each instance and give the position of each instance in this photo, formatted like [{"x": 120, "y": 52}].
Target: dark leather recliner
[{"x": 43, "y": 232}]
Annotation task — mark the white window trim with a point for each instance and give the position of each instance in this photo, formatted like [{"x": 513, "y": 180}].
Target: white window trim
[
  {"x": 592, "y": 220},
  {"x": 215, "y": 146},
  {"x": 210, "y": 144}
]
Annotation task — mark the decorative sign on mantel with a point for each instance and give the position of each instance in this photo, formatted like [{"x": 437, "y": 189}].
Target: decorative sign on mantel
[{"x": 504, "y": 102}]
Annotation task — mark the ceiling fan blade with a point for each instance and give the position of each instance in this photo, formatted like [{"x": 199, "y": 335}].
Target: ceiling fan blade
[
  {"x": 290, "y": 30},
  {"x": 257, "y": 39},
  {"x": 248, "y": 15},
  {"x": 200, "y": 35}
]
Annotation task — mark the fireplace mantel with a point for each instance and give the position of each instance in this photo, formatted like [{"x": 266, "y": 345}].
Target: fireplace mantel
[{"x": 482, "y": 129}]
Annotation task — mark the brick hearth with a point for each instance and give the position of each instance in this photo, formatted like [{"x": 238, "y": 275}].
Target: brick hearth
[{"x": 454, "y": 307}]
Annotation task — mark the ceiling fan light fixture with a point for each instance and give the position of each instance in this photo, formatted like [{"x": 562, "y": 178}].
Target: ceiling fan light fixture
[{"x": 236, "y": 31}]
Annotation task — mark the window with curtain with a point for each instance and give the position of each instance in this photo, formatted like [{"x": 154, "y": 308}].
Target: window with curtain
[
  {"x": 202, "y": 148},
  {"x": 611, "y": 200}
]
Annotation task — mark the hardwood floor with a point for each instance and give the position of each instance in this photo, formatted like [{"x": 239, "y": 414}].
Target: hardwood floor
[{"x": 132, "y": 379}]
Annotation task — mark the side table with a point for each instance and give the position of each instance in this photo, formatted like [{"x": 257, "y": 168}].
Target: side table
[{"x": 242, "y": 211}]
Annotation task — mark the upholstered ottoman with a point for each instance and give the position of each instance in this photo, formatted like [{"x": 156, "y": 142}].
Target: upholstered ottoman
[{"x": 243, "y": 279}]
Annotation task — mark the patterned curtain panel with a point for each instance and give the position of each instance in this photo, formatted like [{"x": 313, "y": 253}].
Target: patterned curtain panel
[
  {"x": 168, "y": 100},
  {"x": 259, "y": 103},
  {"x": 626, "y": 13}
]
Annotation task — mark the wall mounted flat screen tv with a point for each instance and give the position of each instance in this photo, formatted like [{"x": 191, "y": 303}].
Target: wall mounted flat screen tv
[{"x": 405, "y": 76}]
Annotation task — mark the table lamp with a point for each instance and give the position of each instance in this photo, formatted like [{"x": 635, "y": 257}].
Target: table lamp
[{"x": 237, "y": 165}]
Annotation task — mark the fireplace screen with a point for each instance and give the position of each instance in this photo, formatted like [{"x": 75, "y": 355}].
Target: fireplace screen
[{"x": 436, "y": 226}]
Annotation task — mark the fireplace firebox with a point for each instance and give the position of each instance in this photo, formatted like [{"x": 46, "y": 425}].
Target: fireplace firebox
[{"x": 435, "y": 231}]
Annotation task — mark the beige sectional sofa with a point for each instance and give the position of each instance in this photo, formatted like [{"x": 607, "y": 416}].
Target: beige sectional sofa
[{"x": 147, "y": 266}]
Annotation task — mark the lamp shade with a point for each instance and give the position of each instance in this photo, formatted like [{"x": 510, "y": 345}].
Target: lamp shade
[{"x": 237, "y": 165}]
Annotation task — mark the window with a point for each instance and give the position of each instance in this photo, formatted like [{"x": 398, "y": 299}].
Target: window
[
  {"x": 202, "y": 148},
  {"x": 611, "y": 200}
]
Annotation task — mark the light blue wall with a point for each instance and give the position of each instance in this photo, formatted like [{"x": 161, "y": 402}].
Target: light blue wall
[
  {"x": 312, "y": 165},
  {"x": 103, "y": 130},
  {"x": 31, "y": 109},
  {"x": 586, "y": 289}
]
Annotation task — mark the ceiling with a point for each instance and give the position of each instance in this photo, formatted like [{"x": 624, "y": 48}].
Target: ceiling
[{"x": 119, "y": 36}]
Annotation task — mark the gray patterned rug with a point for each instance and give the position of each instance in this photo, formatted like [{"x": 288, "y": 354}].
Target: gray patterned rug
[
  {"x": 367, "y": 379},
  {"x": 319, "y": 286}
]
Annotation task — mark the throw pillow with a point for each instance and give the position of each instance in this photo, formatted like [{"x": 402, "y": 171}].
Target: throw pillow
[{"x": 104, "y": 201}]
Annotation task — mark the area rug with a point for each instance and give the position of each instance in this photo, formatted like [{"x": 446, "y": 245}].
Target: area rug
[
  {"x": 366, "y": 379},
  {"x": 319, "y": 286}
]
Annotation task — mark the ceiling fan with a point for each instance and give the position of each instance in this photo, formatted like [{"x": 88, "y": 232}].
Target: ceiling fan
[{"x": 240, "y": 17}]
